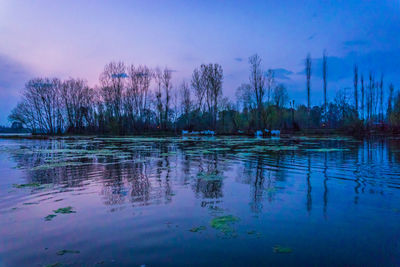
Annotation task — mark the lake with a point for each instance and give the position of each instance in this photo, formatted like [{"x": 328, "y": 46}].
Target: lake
[{"x": 196, "y": 201}]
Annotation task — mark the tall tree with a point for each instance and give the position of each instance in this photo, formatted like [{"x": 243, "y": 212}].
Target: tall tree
[
  {"x": 362, "y": 96},
  {"x": 381, "y": 99},
  {"x": 356, "y": 87},
  {"x": 390, "y": 100},
  {"x": 324, "y": 73},
  {"x": 167, "y": 86},
  {"x": 270, "y": 83},
  {"x": 308, "y": 75},
  {"x": 257, "y": 83}
]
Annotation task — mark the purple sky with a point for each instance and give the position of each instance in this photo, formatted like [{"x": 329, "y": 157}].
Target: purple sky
[{"x": 77, "y": 38}]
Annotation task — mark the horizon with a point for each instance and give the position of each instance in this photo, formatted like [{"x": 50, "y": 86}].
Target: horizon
[{"x": 47, "y": 39}]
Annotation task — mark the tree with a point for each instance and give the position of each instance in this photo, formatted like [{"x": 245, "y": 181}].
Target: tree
[
  {"x": 356, "y": 87},
  {"x": 186, "y": 102},
  {"x": 362, "y": 96},
  {"x": 324, "y": 73},
  {"x": 167, "y": 85},
  {"x": 280, "y": 96},
  {"x": 257, "y": 83},
  {"x": 270, "y": 83},
  {"x": 112, "y": 80},
  {"x": 390, "y": 100},
  {"x": 308, "y": 75}
]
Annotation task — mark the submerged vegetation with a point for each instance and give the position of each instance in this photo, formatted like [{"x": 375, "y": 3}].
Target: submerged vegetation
[{"x": 137, "y": 99}]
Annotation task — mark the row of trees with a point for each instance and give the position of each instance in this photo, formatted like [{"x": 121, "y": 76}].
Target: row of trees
[{"x": 136, "y": 99}]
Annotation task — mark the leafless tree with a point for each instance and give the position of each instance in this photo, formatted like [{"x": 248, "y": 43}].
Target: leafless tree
[
  {"x": 356, "y": 87},
  {"x": 112, "y": 80},
  {"x": 324, "y": 73},
  {"x": 270, "y": 83},
  {"x": 308, "y": 75},
  {"x": 257, "y": 83}
]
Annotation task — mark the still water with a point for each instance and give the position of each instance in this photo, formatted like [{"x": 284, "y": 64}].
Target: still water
[{"x": 329, "y": 201}]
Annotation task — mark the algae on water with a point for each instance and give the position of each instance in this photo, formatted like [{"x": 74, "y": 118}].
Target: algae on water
[
  {"x": 197, "y": 229},
  {"x": 49, "y": 217},
  {"x": 224, "y": 223},
  {"x": 65, "y": 251},
  {"x": 65, "y": 210},
  {"x": 281, "y": 249}
]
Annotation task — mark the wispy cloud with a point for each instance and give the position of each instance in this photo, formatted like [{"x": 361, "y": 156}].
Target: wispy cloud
[
  {"x": 282, "y": 74},
  {"x": 238, "y": 59}
]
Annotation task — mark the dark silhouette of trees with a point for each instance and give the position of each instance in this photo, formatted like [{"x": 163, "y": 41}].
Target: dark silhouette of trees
[
  {"x": 324, "y": 77},
  {"x": 356, "y": 87},
  {"x": 308, "y": 75},
  {"x": 257, "y": 83},
  {"x": 137, "y": 99}
]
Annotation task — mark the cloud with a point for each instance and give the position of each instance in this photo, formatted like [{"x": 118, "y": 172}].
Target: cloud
[
  {"x": 12, "y": 73},
  {"x": 282, "y": 74},
  {"x": 238, "y": 59},
  {"x": 13, "y": 76}
]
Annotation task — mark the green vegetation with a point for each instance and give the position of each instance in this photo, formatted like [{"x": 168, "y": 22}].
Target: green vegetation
[
  {"x": 26, "y": 185},
  {"x": 281, "y": 249},
  {"x": 65, "y": 210},
  {"x": 198, "y": 229},
  {"x": 67, "y": 251},
  {"x": 224, "y": 223},
  {"x": 49, "y": 217}
]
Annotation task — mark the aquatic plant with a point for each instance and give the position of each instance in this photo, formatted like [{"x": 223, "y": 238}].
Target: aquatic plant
[
  {"x": 65, "y": 251},
  {"x": 26, "y": 185},
  {"x": 281, "y": 249},
  {"x": 49, "y": 217},
  {"x": 65, "y": 210},
  {"x": 224, "y": 223},
  {"x": 197, "y": 229}
]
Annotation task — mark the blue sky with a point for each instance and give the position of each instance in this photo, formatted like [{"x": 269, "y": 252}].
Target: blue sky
[{"x": 77, "y": 38}]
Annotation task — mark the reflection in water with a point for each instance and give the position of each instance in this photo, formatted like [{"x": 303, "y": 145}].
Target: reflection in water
[{"x": 189, "y": 181}]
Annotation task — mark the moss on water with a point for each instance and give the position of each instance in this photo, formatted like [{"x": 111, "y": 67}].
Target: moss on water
[
  {"x": 65, "y": 210},
  {"x": 281, "y": 249},
  {"x": 197, "y": 229},
  {"x": 67, "y": 251},
  {"x": 26, "y": 185},
  {"x": 57, "y": 264},
  {"x": 49, "y": 217},
  {"x": 224, "y": 223}
]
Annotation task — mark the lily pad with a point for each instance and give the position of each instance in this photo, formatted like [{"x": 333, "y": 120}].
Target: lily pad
[
  {"x": 65, "y": 251},
  {"x": 65, "y": 210},
  {"x": 26, "y": 185},
  {"x": 224, "y": 223},
  {"x": 49, "y": 217},
  {"x": 197, "y": 229},
  {"x": 281, "y": 249}
]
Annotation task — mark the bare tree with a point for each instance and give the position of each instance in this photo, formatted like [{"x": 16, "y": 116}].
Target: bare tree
[
  {"x": 257, "y": 82},
  {"x": 167, "y": 86},
  {"x": 390, "y": 100},
  {"x": 308, "y": 75},
  {"x": 324, "y": 73},
  {"x": 199, "y": 88},
  {"x": 356, "y": 87},
  {"x": 112, "y": 80},
  {"x": 362, "y": 96},
  {"x": 186, "y": 102},
  {"x": 270, "y": 83},
  {"x": 280, "y": 96}
]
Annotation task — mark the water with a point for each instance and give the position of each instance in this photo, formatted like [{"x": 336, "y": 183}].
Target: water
[{"x": 200, "y": 201}]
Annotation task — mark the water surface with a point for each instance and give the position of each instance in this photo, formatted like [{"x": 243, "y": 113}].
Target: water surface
[{"x": 200, "y": 201}]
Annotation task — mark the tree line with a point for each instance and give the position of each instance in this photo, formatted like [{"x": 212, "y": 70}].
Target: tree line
[{"x": 137, "y": 99}]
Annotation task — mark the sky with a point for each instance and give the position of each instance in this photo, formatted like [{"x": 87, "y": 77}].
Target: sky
[{"x": 47, "y": 38}]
